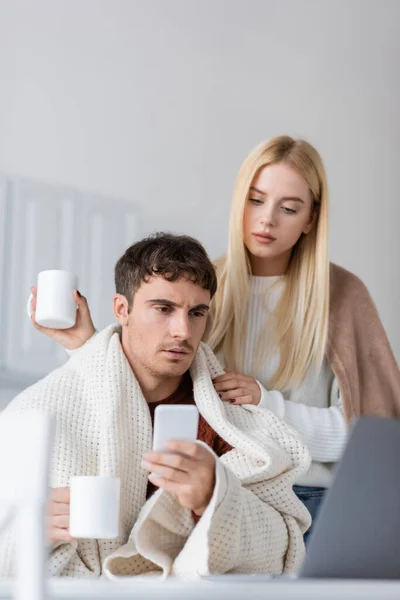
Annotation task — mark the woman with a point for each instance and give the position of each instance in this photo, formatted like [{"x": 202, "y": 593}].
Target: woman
[
  {"x": 301, "y": 336},
  {"x": 298, "y": 335}
]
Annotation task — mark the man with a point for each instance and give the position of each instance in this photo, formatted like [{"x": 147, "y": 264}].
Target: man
[{"x": 223, "y": 506}]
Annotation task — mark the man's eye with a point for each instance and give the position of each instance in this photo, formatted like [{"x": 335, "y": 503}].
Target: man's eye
[
  {"x": 163, "y": 309},
  {"x": 198, "y": 313}
]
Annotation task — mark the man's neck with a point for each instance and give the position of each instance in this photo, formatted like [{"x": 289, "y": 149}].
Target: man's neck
[{"x": 153, "y": 389}]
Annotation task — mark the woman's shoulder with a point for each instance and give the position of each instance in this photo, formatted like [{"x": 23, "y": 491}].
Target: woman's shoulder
[
  {"x": 345, "y": 284},
  {"x": 350, "y": 303},
  {"x": 219, "y": 263}
]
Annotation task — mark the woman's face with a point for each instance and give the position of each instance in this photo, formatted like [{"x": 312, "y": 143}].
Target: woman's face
[{"x": 278, "y": 210}]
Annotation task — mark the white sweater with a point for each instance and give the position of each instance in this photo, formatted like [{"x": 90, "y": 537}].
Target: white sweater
[
  {"x": 315, "y": 409},
  {"x": 254, "y": 522}
]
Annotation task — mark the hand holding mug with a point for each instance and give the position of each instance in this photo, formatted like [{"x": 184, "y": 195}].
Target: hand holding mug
[
  {"x": 82, "y": 327},
  {"x": 89, "y": 509}
]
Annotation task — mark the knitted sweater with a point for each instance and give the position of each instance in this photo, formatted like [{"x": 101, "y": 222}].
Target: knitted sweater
[{"x": 253, "y": 523}]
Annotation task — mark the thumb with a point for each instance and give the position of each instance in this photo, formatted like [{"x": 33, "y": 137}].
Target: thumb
[{"x": 81, "y": 301}]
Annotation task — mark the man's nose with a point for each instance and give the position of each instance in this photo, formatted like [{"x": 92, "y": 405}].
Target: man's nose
[{"x": 180, "y": 327}]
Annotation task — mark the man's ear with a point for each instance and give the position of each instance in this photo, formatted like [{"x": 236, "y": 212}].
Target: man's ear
[{"x": 121, "y": 309}]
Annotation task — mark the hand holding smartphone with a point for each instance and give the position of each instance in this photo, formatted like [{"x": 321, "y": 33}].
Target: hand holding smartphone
[{"x": 188, "y": 471}]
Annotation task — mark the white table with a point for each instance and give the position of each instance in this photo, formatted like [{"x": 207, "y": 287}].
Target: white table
[{"x": 250, "y": 587}]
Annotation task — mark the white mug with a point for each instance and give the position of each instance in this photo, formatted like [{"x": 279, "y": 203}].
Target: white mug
[
  {"x": 55, "y": 305},
  {"x": 94, "y": 507}
]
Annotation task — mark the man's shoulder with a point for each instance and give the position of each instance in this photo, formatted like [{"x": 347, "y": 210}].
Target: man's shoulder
[
  {"x": 95, "y": 347},
  {"x": 47, "y": 393},
  {"x": 71, "y": 382}
]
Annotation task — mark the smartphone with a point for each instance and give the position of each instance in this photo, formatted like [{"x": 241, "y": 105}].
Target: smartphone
[{"x": 174, "y": 422}]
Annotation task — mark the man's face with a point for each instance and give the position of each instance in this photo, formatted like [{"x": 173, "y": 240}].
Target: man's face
[{"x": 165, "y": 326}]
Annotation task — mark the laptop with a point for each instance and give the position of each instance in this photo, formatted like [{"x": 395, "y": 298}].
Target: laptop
[{"x": 357, "y": 533}]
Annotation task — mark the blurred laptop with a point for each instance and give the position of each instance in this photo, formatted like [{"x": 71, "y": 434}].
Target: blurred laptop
[{"x": 357, "y": 533}]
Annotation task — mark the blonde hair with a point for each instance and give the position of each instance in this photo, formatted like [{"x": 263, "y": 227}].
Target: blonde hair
[{"x": 301, "y": 315}]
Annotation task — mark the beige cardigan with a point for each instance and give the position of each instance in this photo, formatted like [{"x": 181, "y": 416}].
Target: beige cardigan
[{"x": 359, "y": 351}]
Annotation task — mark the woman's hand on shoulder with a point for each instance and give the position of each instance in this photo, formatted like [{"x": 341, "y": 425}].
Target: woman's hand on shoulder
[
  {"x": 75, "y": 336},
  {"x": 237, "y": 388}
]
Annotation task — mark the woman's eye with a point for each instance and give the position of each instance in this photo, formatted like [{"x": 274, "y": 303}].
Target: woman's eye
[
  {"x": 256, "y": 201},
  {"x": 289, "y": 211}
]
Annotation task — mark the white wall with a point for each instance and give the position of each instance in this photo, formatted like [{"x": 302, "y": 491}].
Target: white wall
[{"x": 159, "y": 101}]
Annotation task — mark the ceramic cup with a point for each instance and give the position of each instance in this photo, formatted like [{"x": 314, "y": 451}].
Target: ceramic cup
[
  {"x": 94, "y": 507},
  {"x": 55, "y": 305}
]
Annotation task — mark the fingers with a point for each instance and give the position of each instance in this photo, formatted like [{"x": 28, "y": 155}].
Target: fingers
[
  {"x": 84, "y": 321},
  {"x": 80, "y": 300},
  {"x": 237, "y": 388},
  {"x": 172, "y": 467},
  {"x": 229, "y": 381},
  {"x": 34, "y": 298},
  {"x": 185, "y": 459},
  {"x": 59, "y": 515},
  {"x": 60, "y": 535},
  {"x": 237, "y": 394},
  {"x": 59, "y": 505},
  {"x": 60, "y": 521},
  {"x": 242, "y": 400},
  {"x": 33, "y": 320},
  {"x": 225, "y": 386},
  {"x": 36, "y": 325},
  {"x": 169, "y": 486},
  {"x": 33, "y": 309},
  {"x": 175, "y": 461},
  {"x": 83, "y": 307},
  {"x": 167, "y": 473},
  {"x": 228, "y": 376},
  {"x": 190, "y": 449},
  {"x": 58, "y": 508},
  {"x": 61, "y": 494}
]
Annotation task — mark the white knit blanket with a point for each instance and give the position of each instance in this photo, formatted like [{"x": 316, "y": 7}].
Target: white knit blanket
[{"x": 254, "y": 522}]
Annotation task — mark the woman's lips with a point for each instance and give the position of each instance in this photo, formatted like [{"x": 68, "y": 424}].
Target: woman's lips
[{"x": 264, "y": 238}]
